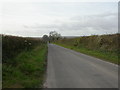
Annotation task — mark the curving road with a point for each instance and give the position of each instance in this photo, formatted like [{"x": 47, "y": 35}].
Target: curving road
[{"x": 70, "y": 69}]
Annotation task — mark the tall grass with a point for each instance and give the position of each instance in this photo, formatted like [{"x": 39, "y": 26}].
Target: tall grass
[
  {"x": 13, "y": 45},
  {"x": 24, "y": 62}
]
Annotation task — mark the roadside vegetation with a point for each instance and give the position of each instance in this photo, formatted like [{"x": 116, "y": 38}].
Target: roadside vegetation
[
  {"x": 24, "y": 59},
  {"x": 23, "y": 62},
  {"x": 105, "y": 47}
]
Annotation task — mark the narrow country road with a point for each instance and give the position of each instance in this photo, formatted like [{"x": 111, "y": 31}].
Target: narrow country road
[{"x": 70, "y": 69}]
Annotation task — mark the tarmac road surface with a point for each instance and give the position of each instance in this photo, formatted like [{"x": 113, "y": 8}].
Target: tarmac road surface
[{"x": 70, "y": 69}]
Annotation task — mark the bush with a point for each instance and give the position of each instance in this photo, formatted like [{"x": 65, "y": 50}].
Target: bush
[
  {"x": 12, "y": 46},
  {"x": 104, "y": 43}
]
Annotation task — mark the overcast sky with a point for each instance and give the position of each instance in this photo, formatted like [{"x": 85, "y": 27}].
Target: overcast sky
[{"x": 71, "y": 18}]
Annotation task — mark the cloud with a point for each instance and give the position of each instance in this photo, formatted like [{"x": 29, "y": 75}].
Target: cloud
[
  {"x": 59, "y": 1},
  {"x": 37, "y": 19},
  {"x": 105, "y": 22},
  {"x": 92, "y": 24}
]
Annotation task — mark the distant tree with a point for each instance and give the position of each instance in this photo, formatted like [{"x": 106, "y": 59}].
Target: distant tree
[
  {"x": 45, "y": 38},
  {"x": 53, "y": 35}
]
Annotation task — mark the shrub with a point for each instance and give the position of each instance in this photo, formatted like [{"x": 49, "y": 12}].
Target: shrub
[{"x": 13, "y": 45}]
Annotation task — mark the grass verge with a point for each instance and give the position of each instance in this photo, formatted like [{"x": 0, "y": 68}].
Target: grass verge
[
  {"x": 28, "y": 70},
  {"x": 107, "y": 56}
]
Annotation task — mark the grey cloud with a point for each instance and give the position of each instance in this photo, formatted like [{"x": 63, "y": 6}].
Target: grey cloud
[
  {"x": 103, "y": 23},
  {"x": 45, "y": 26}
]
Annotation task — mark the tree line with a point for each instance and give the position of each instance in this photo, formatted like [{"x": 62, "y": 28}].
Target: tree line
[{"x": 53, "y": 36}]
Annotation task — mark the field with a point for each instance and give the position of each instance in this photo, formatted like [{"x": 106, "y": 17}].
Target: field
[
  {"x": 24, "y": 62},
  {"x": 100, "y": 46}
]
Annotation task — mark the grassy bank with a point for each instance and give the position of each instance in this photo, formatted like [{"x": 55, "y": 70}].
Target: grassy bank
[
  {"x": 104, "y": 46},
  {"x": 27, "y": 69},
  {"x": 13, "y": 45},
  {"x": 111, "y": 57}
]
